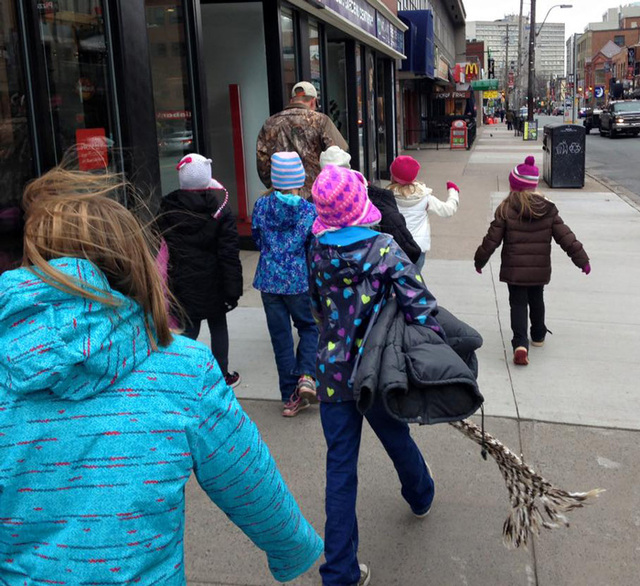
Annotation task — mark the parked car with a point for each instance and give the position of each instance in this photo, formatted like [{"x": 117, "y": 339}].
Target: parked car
[
  {"x": 176, "y": 142},
  {"x": 591, "y": 119},
  {"x": 621, "y": 117}
]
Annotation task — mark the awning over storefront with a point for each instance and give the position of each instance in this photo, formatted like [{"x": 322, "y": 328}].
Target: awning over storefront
[{"x": 418, "y": 42}]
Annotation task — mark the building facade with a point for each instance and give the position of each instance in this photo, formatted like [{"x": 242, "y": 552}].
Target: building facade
[
  {"x": 133, "y": 85},
  {"x": 434, "y": 43}
]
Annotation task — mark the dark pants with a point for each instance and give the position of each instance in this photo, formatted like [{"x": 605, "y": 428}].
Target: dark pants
[
  {"x": 521, "y": 298},
  {"x": 342, "y": 426},
  {"x": 509, "y": 125},
  {"x": 219, "y": 338},
  {"x": 280, "y": 311}
]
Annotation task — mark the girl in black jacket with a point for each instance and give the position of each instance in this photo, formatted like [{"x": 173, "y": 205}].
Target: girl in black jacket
[{"x": 205, "y": 274}]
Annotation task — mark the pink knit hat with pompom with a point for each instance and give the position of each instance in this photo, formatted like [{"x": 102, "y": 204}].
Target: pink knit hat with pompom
[
  {"x": 525, "y": 177},
  {"x": 341, "y": 200}
]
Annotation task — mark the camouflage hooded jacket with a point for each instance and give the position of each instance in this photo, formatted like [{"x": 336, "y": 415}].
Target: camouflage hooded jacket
[{"x": 301, "y": 130}]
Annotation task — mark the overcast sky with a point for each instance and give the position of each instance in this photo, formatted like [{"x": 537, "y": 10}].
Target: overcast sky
[{"x": 575, "y": 19}]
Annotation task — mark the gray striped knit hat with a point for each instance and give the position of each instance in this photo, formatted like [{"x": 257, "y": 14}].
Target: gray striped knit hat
[{"x": 287, "y": 171}]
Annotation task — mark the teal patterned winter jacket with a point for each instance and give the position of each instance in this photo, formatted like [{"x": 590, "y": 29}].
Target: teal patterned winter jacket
[{"x": 99, "y": 434}]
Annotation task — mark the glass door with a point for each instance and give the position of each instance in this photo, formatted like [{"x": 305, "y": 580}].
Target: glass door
[
  {"x": 74, "y": 48},
  {"x": 16, "y": 157}
]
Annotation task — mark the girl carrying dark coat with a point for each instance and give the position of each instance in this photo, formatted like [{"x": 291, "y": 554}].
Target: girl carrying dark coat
[
  {"x": 205, "y": 274},
  {"x": 527, "y": 221}
]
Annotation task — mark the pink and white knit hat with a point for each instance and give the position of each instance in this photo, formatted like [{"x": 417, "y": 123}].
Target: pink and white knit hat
[
  {"x": 341, "y": 200},
  {"x": 194, "y": 174},
  {"x": 525, "y": 177}
]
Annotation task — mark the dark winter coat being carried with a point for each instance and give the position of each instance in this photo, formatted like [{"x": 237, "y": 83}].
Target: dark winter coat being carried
[
  {"x": 204, "y": 267},
  {"x": 526, "y": 236},
  {"x": 418, "y": 376}
]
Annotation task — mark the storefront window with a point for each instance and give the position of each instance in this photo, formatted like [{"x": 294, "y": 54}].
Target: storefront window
[
  {"x": 336, "y": 94},
  {"x": 290, "y": 63},
  {"x": 171, "y": 93},
  {"x": 372, "y": 170},
  {"x": 79, "y": 82},
  {"x": 316, "y": 57},
  {"x": 381, "y": 121},
  {"x": 359, "y": 92},
  {"x": 16, "y": 158}
]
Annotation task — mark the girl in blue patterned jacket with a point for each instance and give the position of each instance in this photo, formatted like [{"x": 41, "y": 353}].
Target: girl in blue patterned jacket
[
  {"x": 353, "y": 270},
  {"x": 281, "y": 228},
  {"x": 104, "y": 413}
]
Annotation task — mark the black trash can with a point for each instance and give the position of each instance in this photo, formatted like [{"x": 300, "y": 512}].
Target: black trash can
[{"x": 564, "y": 156}]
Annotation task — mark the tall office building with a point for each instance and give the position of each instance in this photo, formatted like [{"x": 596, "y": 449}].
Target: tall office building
[{"x": 550, "y": 45}]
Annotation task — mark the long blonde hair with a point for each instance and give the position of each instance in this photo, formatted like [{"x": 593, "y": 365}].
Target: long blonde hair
[
  {"x": 402, "y": 189},
  {"x": 75, "y": 214},
  {"x": 527, "y": 204}
]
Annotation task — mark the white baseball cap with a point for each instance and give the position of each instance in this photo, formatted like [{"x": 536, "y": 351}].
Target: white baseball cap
[{"x": 304, "y": 88}]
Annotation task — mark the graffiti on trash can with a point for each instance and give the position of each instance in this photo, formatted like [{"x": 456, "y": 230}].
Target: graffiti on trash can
[
  {"x": 575, "y": 148},
  {"x": 563, "y": 148}
]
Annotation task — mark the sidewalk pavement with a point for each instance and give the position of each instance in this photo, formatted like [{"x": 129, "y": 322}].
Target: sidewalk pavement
[{"x": 574, "y": 412}]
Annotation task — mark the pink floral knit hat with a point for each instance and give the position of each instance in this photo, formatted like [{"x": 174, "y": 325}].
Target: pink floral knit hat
[{"x": 341, "y": 200}]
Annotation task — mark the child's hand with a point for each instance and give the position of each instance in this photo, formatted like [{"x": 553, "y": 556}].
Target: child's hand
[
  {"x": 452, "y": 185},
  {"x": 586, "y": 269}
]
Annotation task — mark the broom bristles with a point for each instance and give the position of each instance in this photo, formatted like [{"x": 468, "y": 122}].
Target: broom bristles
[{"x": 535, "y": 502}]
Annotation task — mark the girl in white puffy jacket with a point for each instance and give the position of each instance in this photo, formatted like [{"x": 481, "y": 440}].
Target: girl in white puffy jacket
[{"x": 416, "y": 200}]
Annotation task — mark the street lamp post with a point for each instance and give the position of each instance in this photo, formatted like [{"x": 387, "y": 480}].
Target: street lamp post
[{"x": 532, "y": 51}]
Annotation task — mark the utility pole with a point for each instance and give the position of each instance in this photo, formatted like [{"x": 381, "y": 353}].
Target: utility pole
[
  {"x": 506, "y": 72},
  {"x": 519, "y": 63},
  {"x": 532, "y": 60},
  {"x": 575, "y": 80}
]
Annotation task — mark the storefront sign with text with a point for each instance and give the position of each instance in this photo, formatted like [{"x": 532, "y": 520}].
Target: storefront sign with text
[
  {"x": 356, "y": 11},
  {"x": 91, "y": 144},
  {"x": 454, "y": 95}
]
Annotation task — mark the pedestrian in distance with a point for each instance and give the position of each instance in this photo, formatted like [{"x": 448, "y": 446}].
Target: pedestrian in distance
[
  {"x": 299, "y": 128},
  {"x": 525, "y": 222},
  {"x": 106, "y": 413},
  {"x": 501, "y": 114},
  {"x": 392, "y": 221},
  {"x": 281, "y": 229},
  {"x": 510, "y": 117},
  {"x": 204, "y": 270},
  {"x": 353, "y": 270},
  {"x": 416, "y": 201}
]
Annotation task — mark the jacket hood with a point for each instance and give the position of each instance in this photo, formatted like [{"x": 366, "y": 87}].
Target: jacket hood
[
  {"x": 192, "y": 209},
  {"x": 421, "y": 192},
  {"x": 73, "y": 347},
  {"x": 282, "y": 211}
]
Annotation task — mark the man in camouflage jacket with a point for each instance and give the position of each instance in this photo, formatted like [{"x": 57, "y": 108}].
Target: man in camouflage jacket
[{"x": 301, "y": 129}]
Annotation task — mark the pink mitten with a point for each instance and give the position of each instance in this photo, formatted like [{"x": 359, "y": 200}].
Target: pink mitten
[
  {"x": 452, "y": 185},
  {"x": 586, "y": 269}
]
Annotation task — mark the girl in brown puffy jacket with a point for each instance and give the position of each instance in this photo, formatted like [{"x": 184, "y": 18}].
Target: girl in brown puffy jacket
[{"x": 526, "y": 221}]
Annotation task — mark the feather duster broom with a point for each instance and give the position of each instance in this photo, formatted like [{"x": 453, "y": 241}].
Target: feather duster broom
[{"x": 535, "y": 502}]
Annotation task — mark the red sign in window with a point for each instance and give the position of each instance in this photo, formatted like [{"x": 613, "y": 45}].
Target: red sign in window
[{"x": 91, "y": 144}]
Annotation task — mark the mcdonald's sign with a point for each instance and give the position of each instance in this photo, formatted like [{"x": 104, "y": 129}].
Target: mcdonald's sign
[{"x": 471, "y": 71}]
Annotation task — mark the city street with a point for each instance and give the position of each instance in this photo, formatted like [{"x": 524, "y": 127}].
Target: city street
[
  {"x": 614, "y": 161},
  {"x": 573, "y": 412}
]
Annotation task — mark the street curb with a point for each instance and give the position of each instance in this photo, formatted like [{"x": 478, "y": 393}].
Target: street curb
[{"x": 622, "y": 192}]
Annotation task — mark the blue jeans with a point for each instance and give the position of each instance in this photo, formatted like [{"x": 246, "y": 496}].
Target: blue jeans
[
  {"x": 280, "y": 311},
  {"x": 342, "y": 426}
]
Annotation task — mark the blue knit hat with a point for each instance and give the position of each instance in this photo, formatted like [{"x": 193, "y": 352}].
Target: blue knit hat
[{"x": 287, "y": 171}]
